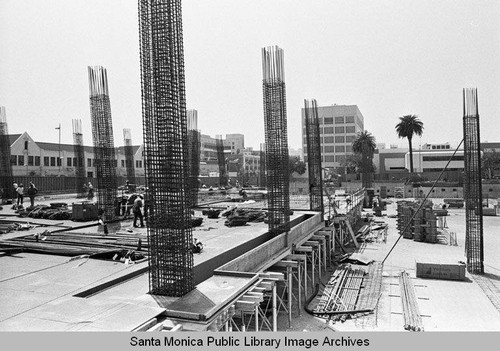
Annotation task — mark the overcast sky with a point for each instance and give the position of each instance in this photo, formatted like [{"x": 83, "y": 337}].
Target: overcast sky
[{"x": 390, "y": 58}]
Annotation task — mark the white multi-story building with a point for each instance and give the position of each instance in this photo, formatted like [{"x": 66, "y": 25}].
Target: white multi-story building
[{"x": 338, "y": 126}]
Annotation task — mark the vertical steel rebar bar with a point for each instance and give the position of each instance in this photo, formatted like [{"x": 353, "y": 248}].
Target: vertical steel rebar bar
[
  {"x": 194, "y": 141},
  {"x": 314, "y": 156},
  {"x": 79, "y": 163}
]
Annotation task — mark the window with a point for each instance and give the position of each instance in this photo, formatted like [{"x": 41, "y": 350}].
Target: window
[
  {"x": 340, "y": 139},
  {"x": 328, "y": 130},
  {"x": 31, "y": 160},
  {"x": 26, "y": 145},
  {"x": 115, "y": 163},
  {"x": 443, "y": 190},
  {"x": 350, "y": 138},
  {"x": 20, "y": 160},
  {"x": 138, "y": 164},
  {"x": 339, "y": 130},
  {"x": 442, "y": 158},
  {"x": 59, "y": 162},
  {"x": 350, "y": 129},
  {"x": 89, "y": 162},
  {"x": 75, "y": 162},
  {"x": 46, "y": 161},
  {"x": 348, "y": 148},
  {"x": 52, "y": 161},
  {"x": 13, "y": 160},
  {"x": 68, "y": 163},
  {"x": 339, "y": 148},
  {"x": 339, "y": 120},
  {"x": 329, "y": 149},
  {"x": 340, "y": 158},
  {"x": 329, "y": 140},
  {"x": 329, "y": 158},
  {"x": 349, "y": 119},
  {"x": 123, "y": 163},
  {"x": 37, "y": 160},
  {"x": 328, "y": 120}
]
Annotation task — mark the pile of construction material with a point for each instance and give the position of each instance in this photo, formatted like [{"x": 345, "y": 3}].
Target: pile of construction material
[
  {"x": 406, "y": 209},
  {"x": 411, "y": 313},
  {"x": 56, "y": 211},
  {"x": 419, "y": 226},
  {"x": 241, "y": 216}
]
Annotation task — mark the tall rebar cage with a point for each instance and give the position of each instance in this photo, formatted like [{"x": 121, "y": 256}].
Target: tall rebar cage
[
  {"x": 165, "y": 147},
  {"x": 275, "y": 122},
  {"x": 102, "y": 135},
  {"x": 80, "y": 157},
  {"x": 314, "y": 156},
  {"x": 472, "y": 184},
  {"x": 219, "y": 144},
  {"x": 129, "y": 155},
  {"x": 194, "y": 147},
  {"x": 6, "y": 176},
  {"x": 262, "y": 166}
]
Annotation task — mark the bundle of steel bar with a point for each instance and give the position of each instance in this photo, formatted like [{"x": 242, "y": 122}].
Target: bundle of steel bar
[
  {"x": 165, "y": 147},
  {"x": 6, "y": 177},
  {"x": 219, "y": 144},
  {"x": 194, "y": 147},
  {"x": 275, "y": 122},
  {"x": 314, "y": 156},
  {"x": 411, "y": 313},
  {"x": 79, "y": 162},
  {"x": 129, "y": 155},
  {"x": 472, "y": 184},
  {"x": 102, "y": 134}
]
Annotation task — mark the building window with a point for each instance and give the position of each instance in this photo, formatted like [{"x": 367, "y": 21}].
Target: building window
[
  {"x": 339, "y": 120},
  {"x": 328, "y": 120},
  {"x": 68, "y": 163},
  {"x": 138, "y": 164},
  {"x": 89, "y": 162},
  {"x": 350, "y": 138},
  {"x": 340, "y": 139},
  {"x": 115, "y": 163},
  {"x": 348, "y": 148},
  {"x": 26, "y": 145},
  {"x": 30, "y": 160},
  {"x": 46, "y": 161},
  {"x": 340, "y": 158},
  {"x": 37, "y": 160},
  {"x": 349, "y": 119},
  {"x": 329, "y": 149},
  {"x": 339, "y": 130},
  {"x": 339, "y": 148},
  {"x": 328, "y": 130},
  {"x": 350, "y": 129},
  {"x": 52, "y": 161},
  {"x": 20, "y": 160},
  {"x": 59, "y": 162},
  {"x": 13, "y": 160},
  {"x": 330, "y": 158},
  {"x": 123, "y": 163},
  {"x": 329, "y": 140}
]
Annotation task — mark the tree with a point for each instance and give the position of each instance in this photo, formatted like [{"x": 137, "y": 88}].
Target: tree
[
  {"x": 408, "y": 126},
  {"x": 364, "y": 145},
  {"x": 490, "y": 161},
  {"x": 296, "y": 165}
]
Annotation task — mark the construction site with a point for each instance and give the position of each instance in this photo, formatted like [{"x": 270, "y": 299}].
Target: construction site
[{"x": 240, "y": 259}]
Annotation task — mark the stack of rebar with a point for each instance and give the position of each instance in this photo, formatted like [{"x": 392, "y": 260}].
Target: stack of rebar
[{"x": 411, "y": 313}]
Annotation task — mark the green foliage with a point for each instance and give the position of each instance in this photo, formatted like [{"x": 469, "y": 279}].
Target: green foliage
[
  {"x": 408, "y": 126},
  {"x": 296, "y": 165},
  {"x": 490, "y": 162}
]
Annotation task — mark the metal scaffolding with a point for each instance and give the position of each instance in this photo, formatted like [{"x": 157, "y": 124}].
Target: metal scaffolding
[
  {"x": 275, "y": 122},
  {"x": 79, "y": 157},
  {"x": 219, "y": 143},
  {"x": 314, "y": 156},
  {"x": 6, "y": 176},
  {"x": 102, "y": 134},
  {"x": 262, "y": 165},
  {"x": 472, "y": 184},
  {"x": 194, "y": 146},
  {"x": 129, "y": 155},
  {"x": 165, "y": 147}
]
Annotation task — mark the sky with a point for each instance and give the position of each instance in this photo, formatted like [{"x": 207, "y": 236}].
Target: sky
[{"x": 389, "y": 57}]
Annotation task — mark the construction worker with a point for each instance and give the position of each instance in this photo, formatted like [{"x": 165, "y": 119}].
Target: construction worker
[{"x": 138, "y": 211}]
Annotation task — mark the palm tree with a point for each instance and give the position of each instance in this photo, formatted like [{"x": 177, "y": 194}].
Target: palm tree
[
  {"x": 364, "y": 145},
  {"x": 408, "y": 126}
]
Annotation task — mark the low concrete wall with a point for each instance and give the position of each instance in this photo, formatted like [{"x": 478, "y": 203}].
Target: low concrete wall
[{"x": 255, "y": 259}]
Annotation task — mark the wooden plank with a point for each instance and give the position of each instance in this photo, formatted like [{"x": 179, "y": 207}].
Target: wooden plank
[{"x": 352, "y": 233}]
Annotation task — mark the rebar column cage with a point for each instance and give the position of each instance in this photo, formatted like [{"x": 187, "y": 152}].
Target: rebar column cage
[
  {"x": 102, "y": 135},
  {"x": 165, "y": 147},
  {"x": 472, "y": 184},
  {"x": 275, "y": 122},
  {"x": 6, "y": 176},
  {"x": 129, "y": 155},
  {"x": 314, "y": 156},
  {"x": 366, "y": 166},
  {"x": 262, "y": 166},
  {"x": 194, "y": 146},
  {"x": 79, "y": 151},
  {"x": 219, "y": 145}
]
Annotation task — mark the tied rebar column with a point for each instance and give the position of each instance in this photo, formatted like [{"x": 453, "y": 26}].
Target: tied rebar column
[
  {"x": 472, "y": 184},
  {"x": 277, "y": 160},
  {"x": 104, "y": 149},
  {"x": 194, "y": 146},
  {"x": 314, "y": 156},
  {"x": 262, "y": 166},
  {"x": 6, "y": 176},
  {"x": 80, "y": 158},
  {"x": 129, "y": 155},
  {"x": 165, "y": 147},
  {"x": 219, "y": 144}
]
